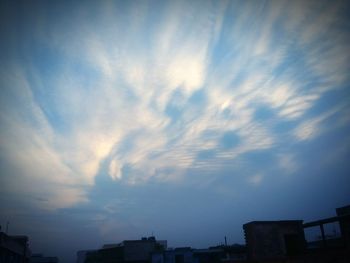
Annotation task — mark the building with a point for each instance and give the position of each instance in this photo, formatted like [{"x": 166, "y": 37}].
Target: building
[
  {"x": 343, "y": 214},
  {"x": 139, "y": 250},
  {"x": 107, "y": 254},
  {"x": 14, "y": 249},
  {"x": 131, "y": 251},
  {"x": 81, "y": 255},
  {"x": 178, "y": 255},
  {"x": 274, "y": 240},
  {"x": 220, "y": 254},
  {"x": 210, "y": 255},
  {"x": 330, "y": 248},
  {"x": 39, "y": 258},
  {"x": 233, "y": 253}
]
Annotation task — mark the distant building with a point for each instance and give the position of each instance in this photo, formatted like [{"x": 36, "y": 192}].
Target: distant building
[
  {"x": 211, "y": 255},
  {"x": 81, "y": 255},
  {"x": 274, "y": 240},
  {"x": 39, "y": 258},
  {"x": 140, "y": 250},
  {"x": 233, "y": 253},
  {"x": 14, "y": 249},
  {"x": 131, "y": 251},
  {"x": 178, "y": 255},
  {"x": 107, "y": 254}
]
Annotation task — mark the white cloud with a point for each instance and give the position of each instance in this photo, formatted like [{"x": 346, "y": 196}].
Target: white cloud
[
  {"x": 115, "y": 170},
  {"x": 308, "y": 129},
  {"x": 280, "y": 95},
  {"x": 28, "y": 141},
  {"x": 312, "y": 127},
  {"x": 125, "y": 81},
  {"x": 187, "y": 71}
]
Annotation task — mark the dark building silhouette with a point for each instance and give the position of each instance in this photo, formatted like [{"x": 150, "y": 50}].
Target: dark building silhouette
[
  {"x": 214, "y": 255},
  {"x": 284, "y": 241},
  {"x": 210, "y": 255},
  {"x": 14, "y": 249},
  {"x": 131, "y": 251},
  {"x": 155, "y": 251},
  {"x": 177, "y": 255},
  {"x": 39, "y": 258},
  {"x": 343, "y": 214},
  {"x": 331, "y": 249},
  {"x": 82, "y": 254},
  {"x": 266, "y": 242},
  {"x": 274, "y": 240}
]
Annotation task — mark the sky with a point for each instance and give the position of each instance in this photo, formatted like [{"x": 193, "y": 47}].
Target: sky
[{"x": 181, "y": 119}]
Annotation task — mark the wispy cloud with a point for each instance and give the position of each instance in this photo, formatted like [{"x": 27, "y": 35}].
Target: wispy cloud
[
  {"x": 311, "y": 128},
  {"x": 29, "y": 143},
  {"x": 171, "y": 81}
]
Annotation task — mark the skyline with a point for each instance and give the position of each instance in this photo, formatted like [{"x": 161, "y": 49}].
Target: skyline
[{"x": 184, "y": 119}]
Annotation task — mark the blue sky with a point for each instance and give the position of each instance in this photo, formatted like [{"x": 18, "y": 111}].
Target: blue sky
[{"x": 185, "y": 119}]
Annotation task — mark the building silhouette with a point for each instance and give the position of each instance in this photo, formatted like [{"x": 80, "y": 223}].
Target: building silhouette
[
  {"x": 284, "y": 241},
  {"x": 266, "y": 242},
  {"x": 39, "y": 258},
  {"x": 14, "y": 249},
  {"x": 132, "y": 251},
  {"x": 274, "y": 240}
]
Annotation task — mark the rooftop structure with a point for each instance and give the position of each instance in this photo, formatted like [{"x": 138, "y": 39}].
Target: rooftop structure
[{"x": 274, "y": 240}]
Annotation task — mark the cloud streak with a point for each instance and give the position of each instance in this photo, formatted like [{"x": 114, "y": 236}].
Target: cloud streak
[{"x": 170, "y": 81}]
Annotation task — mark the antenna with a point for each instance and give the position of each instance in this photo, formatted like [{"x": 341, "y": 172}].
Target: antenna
[{"x": 225, "y": 241}]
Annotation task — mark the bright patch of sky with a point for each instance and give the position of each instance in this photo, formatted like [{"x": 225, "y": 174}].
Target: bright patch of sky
[{"x": 124, "y": 117}]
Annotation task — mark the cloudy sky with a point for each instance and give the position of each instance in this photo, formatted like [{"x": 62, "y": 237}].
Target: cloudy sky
[{"x": 184, "y": 119}]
